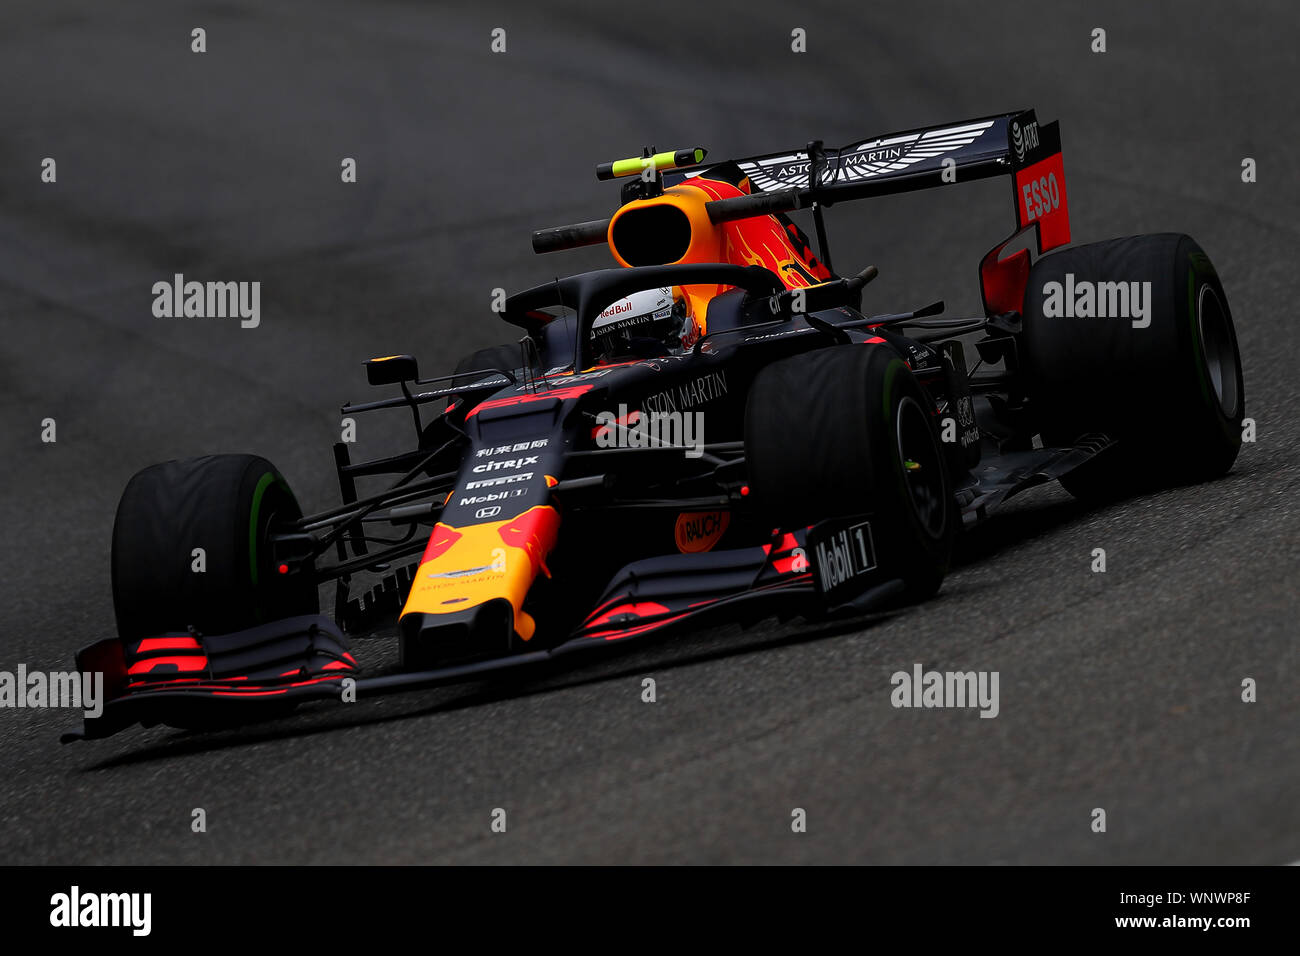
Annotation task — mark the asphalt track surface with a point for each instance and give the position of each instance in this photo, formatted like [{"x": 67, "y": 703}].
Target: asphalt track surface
[{"x": 1118, "y": 690}]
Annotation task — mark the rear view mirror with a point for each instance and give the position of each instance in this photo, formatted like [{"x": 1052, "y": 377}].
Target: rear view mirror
[{"x": 391, "y": 369}]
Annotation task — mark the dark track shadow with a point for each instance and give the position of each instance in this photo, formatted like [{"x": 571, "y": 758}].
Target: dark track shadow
[
  {"x": 1013, "y": 527},
  {"x": 1023, "y": 519}
]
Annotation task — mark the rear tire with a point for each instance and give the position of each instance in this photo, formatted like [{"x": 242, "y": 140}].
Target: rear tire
[
  {"x": 827, "y": 434},
  {"x": 227, "y": 505},
  {"x": 1171, "y": 393}
]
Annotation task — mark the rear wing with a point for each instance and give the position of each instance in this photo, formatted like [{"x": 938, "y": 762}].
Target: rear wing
[
  {"x": 1013, "y": 144},
  {"x": 1008, "y": 144}
]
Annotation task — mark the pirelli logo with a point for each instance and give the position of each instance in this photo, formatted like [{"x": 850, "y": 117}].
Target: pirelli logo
[{"x": 503, "y": 480}]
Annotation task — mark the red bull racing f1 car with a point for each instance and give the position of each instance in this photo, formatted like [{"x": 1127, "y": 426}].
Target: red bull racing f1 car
[{"x": 714, "y": 428}]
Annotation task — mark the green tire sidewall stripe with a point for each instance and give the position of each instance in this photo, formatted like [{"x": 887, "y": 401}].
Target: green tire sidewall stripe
[{"x": 263, "y": 483}]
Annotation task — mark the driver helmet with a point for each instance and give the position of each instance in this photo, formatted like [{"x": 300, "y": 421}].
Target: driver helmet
[{"x": 647, "y": 324}]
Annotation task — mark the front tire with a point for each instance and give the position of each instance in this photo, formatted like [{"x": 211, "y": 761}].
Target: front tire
[
  {"x": 848, "y": 430},
  {"x": 225, "y": 505}
]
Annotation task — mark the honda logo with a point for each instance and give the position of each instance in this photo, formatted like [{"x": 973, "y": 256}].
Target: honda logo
[{"x": 488, "y": 512}]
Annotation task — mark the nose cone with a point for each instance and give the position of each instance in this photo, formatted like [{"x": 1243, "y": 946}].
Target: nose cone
[{"x": 476, "y": 633}]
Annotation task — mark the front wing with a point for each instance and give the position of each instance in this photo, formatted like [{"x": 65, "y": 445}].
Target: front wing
[{"x": 201, "y": 681}]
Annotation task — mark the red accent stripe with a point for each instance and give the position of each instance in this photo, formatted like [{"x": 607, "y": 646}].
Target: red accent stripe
[
  {"x": 640, "y": 629},
  {"x": 222, "y": 688},
  {"x": 568, "y": 391},
  {"x": 146, "y": 682},
  {"x": 179, "y": 642},
  {"x": 440, "y": 539},
  {"x": 787, "y": 543},
  {"x": 637, "y": 609},
  {"x": 183, "y": 664}
]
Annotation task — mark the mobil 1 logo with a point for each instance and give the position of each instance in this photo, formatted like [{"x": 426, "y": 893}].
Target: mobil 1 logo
[{"x": 843, "y": 556}]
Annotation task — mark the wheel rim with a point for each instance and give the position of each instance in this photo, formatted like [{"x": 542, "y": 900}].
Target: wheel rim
[
  {"x": 922, "y": 467},
  {"x": 278, "y": 510},
  {"x": 1219, "y": 348}
]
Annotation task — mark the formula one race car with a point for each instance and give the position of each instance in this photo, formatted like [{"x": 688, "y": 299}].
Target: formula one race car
[{"x": 713, "y": 429}]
